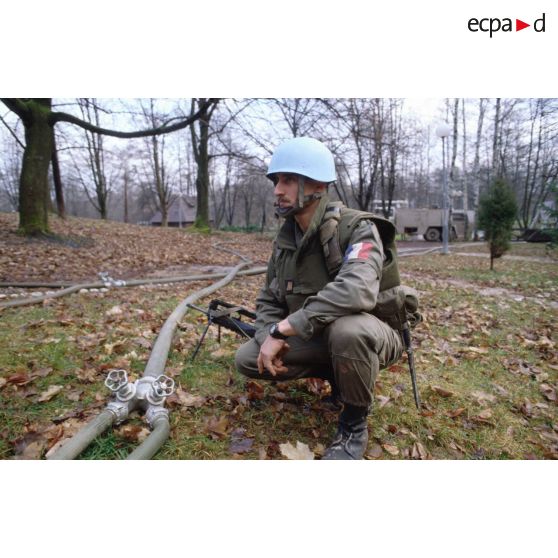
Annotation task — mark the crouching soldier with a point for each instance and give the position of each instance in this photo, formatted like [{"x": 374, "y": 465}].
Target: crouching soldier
[{"x": 315, "y": 311}]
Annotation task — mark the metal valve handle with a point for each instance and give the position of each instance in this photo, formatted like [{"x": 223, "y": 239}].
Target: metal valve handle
[
  {"x": 116, "y": 379},
  {"x": 163, "y": 386}
]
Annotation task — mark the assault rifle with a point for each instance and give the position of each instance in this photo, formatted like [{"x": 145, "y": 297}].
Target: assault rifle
[{"x": 229, "y": 316}]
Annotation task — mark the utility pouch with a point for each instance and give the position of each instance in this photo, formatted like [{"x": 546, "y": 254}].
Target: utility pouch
[{"x": 398, "y": 305}]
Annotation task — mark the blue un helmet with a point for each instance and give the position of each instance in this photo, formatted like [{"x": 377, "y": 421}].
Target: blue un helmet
[{"x": 307, "y": 158}]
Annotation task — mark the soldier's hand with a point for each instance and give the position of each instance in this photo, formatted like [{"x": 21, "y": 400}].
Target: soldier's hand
[{"x": 270, "y": 355}]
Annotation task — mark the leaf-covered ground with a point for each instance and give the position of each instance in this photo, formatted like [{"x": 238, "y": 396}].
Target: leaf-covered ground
[{"x": 486, "y": 354}]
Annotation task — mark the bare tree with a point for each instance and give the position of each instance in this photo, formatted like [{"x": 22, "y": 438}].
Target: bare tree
[
  {"x": 96, "y": 155},
  {"x": 465, "y": 186},
  {"x": 476, "y": 161},
  {"x": 300, "y": 115},
  {"x": 38, "y": 120},
  {"x": 10, "y": 169},
  {"x": 163, "y": 191},
  {"x": 200, "y": 147}
]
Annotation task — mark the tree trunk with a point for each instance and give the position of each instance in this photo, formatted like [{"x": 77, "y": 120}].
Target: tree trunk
[
  {"x": 58, "y": 188},
  {"x": 465, "y": 189},
  {"x": 201, "y": 154},
  {"x": 33, "y": 189},
  {"x": 455, "y": 113},
  {"x": 476, "y": 161},
  {"x": 496, "y": 142},
  {"x": 126, "y": 178}
]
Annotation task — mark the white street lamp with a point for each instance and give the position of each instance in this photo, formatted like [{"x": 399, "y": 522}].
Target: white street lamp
[{"x": 443, "y": 131}]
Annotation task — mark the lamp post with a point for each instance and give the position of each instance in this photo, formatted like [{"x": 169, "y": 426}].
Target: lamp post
[{"x": 443, "y": 131}]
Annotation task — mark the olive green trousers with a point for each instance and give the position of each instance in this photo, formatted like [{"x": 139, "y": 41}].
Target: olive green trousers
[{"x": 349, "y": 352}]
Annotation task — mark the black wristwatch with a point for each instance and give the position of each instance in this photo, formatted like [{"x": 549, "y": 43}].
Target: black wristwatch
[{"x": 275, "y": 333}]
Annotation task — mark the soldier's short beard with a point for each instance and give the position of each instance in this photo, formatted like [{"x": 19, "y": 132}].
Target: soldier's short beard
[{"x": 301, "y": 201}]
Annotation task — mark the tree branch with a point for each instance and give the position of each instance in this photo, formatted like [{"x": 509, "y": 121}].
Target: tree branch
[
  {"x": 17, "y": 106},
  {"x": 63, "y": 117},
  {"x": 12, "y": 132}
]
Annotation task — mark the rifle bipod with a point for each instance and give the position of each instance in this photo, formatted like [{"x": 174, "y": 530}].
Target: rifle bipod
[{"x": 221, "y": 313}]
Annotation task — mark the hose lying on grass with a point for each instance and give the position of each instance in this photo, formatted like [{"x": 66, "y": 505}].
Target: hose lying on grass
[
  {"x": 149, "y": 392},
  {"x": 132, "y": 283}
]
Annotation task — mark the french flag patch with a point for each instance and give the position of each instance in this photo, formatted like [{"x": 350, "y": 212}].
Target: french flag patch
[{"x": 358, "y": 251}]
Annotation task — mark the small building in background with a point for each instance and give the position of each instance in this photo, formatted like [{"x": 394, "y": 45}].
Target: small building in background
[{"x": 182, "y": 213}]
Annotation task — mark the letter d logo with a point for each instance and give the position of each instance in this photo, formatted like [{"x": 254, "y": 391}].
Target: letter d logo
[{"x": 536, "y": 25}]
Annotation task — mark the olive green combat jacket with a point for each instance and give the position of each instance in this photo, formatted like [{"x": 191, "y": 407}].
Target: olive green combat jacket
[{"x": 298, "y": 284}]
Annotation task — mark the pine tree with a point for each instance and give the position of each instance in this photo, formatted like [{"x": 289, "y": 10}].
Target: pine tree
[{"x": 497, "y": 214}]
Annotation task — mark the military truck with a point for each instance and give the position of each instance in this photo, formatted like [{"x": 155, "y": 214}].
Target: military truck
[{"x": 429, "y": 223}]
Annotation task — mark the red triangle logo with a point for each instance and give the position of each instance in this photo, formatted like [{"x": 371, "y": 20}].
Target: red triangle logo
[{"x": 519, "y": 25}]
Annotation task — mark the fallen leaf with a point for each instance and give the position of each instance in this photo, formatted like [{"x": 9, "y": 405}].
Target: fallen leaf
[
  {"x": 375, "y": 452},
  {"x": 548, "y": 391},
  {"x": 418, "y": 451},
  {"x": 391, "y": 449},
  {"x": 442, "y": 392},
  {"x": 87, "y": 375},
  {"x": 220, "y": 353},
  {"x": 71, "y": 426},
  {"x": 501, "y": 391},
  {"x": 217, "y": 426},
  {"x": 42, "y": 372},
  {"x": 239, "y": 442},
  {"x": 74, "y": 395},
  {"x": 319, "y": 450},
  {"x": 132, "y": 432},
  {"x": 19, "y": 379},
  {"x": 477, "y": 350},
  {"x": 456, "y": 412},
  {"x": 142, "y": 342},
  {"x": 33, "y": 450},
  {"x": 317, "y": 386},
  {"x": 116, "y": 348},
  {"x": 486, "y": 414},
  {"x": 3, "y": 382},
  {"x": 241, "y": 446},
  {"x": 49, "y": 393},
  {"x": 301, "y": 451},
  {"x": 482, "y": 396},
  {"x": 262, "y": 453},
  {"x": 255, "y": 390},
  {"x": 526, "y": 408},
  {"x": 188, "y": 399},
  {"x": 383, "y": 400},
  {"x": 114, "y": 311}
]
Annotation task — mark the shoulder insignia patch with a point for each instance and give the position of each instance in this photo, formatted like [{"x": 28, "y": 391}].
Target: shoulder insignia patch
[{"x": 358, "y": 251}]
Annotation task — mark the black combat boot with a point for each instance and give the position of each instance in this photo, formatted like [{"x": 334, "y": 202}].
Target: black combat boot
[{"x": 351, "y": 439}]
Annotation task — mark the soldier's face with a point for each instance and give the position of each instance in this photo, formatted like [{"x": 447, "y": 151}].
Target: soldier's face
[{"x": 286, "y": 188}]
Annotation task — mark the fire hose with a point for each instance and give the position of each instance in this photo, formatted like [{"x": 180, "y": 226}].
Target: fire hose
[{"x": 147, "y": 393}]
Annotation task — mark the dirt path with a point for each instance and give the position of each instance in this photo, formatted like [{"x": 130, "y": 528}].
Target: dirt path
[
  {"x": 507, "y": 257},
  {"x": 484, "y": 291}
]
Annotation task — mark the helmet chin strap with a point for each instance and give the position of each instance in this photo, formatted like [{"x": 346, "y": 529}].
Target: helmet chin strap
[{"x": 301, "y": 201}]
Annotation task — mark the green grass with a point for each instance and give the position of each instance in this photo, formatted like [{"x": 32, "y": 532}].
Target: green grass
[{"x": 509, "y": 361}]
